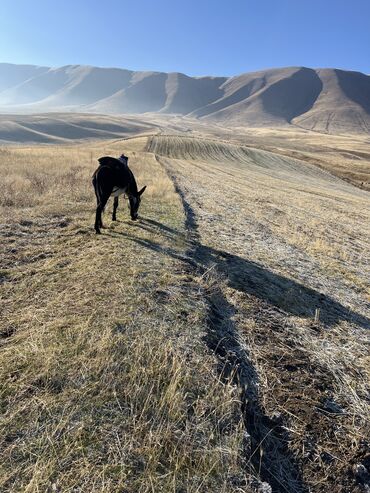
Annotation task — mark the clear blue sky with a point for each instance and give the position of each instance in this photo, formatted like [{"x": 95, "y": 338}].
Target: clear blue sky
[{"x": 197, "y": 37}]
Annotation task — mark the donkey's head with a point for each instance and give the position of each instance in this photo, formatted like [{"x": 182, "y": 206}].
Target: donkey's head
[{"x": 135, "y": 203}]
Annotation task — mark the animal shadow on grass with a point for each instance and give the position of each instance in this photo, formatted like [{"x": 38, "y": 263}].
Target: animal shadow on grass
[
  {"x": 252, "y": 278},
  {"x": 266, "y": 444},
  {"x": 265, "y": 447}
]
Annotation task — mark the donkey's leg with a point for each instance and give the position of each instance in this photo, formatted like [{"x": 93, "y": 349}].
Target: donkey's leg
[
  {"x": 103, "y": 184},
  {"x": 98, "y": 222},
  {"x": 115, "y": 205},
  {"x": 99, "y": 210}
]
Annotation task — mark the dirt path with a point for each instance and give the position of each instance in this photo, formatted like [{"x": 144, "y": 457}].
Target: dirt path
[{"x": 266, "y": 270}]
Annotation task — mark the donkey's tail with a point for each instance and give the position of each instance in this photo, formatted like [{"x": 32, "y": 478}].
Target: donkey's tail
[{"x": 98, "y": 191}]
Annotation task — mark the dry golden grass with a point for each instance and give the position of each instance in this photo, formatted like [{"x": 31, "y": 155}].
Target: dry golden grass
[
  {"x": 283, "y": 240},
  {"x": 346, "y": 155},
  {"x": 105, "y": 382}
]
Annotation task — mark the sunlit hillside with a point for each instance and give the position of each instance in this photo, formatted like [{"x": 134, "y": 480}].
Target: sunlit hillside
[{"x": 325, "y": 100}]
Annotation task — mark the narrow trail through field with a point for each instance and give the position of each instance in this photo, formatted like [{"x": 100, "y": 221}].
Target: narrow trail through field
[{"x": 263, "y": 287}]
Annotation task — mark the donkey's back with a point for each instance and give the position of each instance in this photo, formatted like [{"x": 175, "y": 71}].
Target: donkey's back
[{"x": 112, "y": 173}]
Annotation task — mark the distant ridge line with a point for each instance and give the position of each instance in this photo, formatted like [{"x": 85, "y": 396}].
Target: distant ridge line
[{"x": 325, "y": 100}]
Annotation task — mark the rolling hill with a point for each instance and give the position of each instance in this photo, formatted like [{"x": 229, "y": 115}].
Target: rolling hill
[
  {"x": 59, "y": 128},
  {"x": 324, "y": 100}
]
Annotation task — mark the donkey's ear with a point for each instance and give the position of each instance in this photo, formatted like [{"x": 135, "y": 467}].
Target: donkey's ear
[{"x": 141, "y": 191}]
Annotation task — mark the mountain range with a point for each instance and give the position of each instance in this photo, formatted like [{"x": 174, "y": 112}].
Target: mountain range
[{"x": 325, "y": 100}]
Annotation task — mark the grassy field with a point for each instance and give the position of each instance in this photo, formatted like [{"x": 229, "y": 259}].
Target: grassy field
[
  {"x": 346, "y": 155},
  {"x": 220, "y": 343},
  {"x": 287, "y": 246},
  {"x": 105, "y": 383}
]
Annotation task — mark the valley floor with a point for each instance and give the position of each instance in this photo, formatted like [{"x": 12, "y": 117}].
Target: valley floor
[{"x": 218, "y": 344}]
